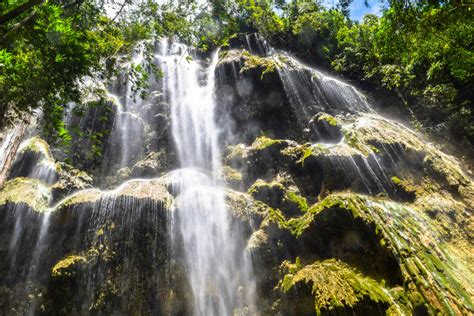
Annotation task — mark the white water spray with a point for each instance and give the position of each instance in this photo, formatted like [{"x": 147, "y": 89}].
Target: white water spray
[{"x": 218, "y": 269}]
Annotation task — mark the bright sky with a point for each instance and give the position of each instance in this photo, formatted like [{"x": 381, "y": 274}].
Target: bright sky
[{"x": 359, "y": 9}]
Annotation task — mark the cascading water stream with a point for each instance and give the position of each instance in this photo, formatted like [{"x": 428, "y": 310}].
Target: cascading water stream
[{"x": 216, "y": 265}]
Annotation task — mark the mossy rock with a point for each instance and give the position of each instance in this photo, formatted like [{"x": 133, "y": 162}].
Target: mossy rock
[
  {"x": 38, "y": 145},
  {"x": 34, "y": 160},
  {"x": 263, "y": 65},
  {"x": 31, "y": 192},
  {"x": 275, "y": 194},
  {"x": 428, "y": 270},
  {"x": 151, "y": 165},
  {"x": 70, "y": 180},
  {"x": 232, "y": 177},
  {"x": 253, "y": 96},
  {"x": 153, "y": 190},
  {"x": 245, "y": 210},
  {"x": 270, "y": 193},
  {"x": 66, "y": 266},
  {"x": 399, "y": 148},
  {"x": 336, "y": 286},
  {"x": 88, "y": 196},
  {"x": 324, "y": 128},
  {"x": 235, "y": 156},
  {"x": 264, "y": 142}
]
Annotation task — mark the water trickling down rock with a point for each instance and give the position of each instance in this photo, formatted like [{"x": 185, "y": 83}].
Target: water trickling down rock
[{"x": 244, "y": 183}]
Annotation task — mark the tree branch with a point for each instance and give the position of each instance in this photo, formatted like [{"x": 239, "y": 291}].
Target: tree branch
[
  {"x": 18, "y": 10},
  {"x": 28, "y": 19}
]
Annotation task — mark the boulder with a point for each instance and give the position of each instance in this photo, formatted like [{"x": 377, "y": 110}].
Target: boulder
[
  {"x": 33, "y": 193},
  {"x": 70, "y": 180},
  {"x": 232, "y": 178},
  {"x": 324, "y": 128},
  {"x": 278, "y": 196},
  {"x": 151, "y": 165},
  {"x": 34, "y": 160}
]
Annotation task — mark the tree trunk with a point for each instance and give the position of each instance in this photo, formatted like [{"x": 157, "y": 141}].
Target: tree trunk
[{"x": 10, "y": 140}]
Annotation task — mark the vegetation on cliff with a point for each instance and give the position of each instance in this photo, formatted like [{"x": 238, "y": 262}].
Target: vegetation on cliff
[
  {"x": 419, "y": 51},
  {"x": 339, "y": 209}
]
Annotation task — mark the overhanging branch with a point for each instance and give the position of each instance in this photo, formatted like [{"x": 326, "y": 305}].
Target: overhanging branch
[{"x": 18, "y": 10}]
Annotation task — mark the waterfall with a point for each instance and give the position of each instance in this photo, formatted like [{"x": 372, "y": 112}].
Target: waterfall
[
  {"x": 310, "y": 90},
  {"x": 218, "y": 270}
]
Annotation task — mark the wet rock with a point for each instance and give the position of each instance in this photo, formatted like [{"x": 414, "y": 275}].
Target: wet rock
[
  {"x": 245, "y": 210},
  {"x": 232, "y": 178},
  {"x": 332, "y": 286},
  {"x": 152, "y": 165},
  {"x": 93, "y": 257},
  {"x": 266, "y": 158},
  {"x": 324, "y": 128},
  {"x": 70, "y": 180},
  {"x": 30, "y": 192},
  {"x": 252, "y": 96},
  {"x": 90, "y": 125},
  {"x": 278, "y": 196},
  {"x": 389, "y": 234},
  {"x": 402, "y": 150},
  {"x": 123, "y": 174},
  {"x": 34, "y": 160},
  {"x": 153, "y": 190}
]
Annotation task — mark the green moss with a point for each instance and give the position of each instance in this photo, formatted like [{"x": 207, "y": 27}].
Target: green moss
[
  {"x": 309, "y": 150},
  {"x": 64, "y": 267},
  {"x": 279, "y": 194},
  {"x": 351, "y": 202},
  {"x": 232, "y": 177},
  {"x": 407, "y": 187},
  {"x": 243, "y": 207},
  {"x": 328, "y": 118},
  {"x": 396, "y": 180},
  {"x": 428, "y": 268},
  {"x": 334, "y": 284},
  {"x": 265, "y": 64},
  {"x": 259, "y": 185},
  {"x": 297, "y": 199},
  {"x": 81, "y": 197},
  {"x": 31, "y": 192},
  {"x": 40, "y": 147},
  {"x": 264, "y": 142}
]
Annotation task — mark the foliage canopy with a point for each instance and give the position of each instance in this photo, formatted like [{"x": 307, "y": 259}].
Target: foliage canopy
[{"x": 420, "y": 51}]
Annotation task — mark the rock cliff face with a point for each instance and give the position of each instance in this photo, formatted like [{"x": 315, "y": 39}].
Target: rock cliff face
[{"x": 341, "y": 210}]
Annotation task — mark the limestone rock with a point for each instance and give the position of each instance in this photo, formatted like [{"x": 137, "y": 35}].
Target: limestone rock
[
  {"x": 324, "y": 128},
  {"x": 277, "y": 196},
  {"x": 70, "y": 180},
  {"x": 34, "y": 160},
  {"x": 335, "y": 287},
  {"x": 30, "y": 192},
  {"x": 252, "y": 96},
  {"x": 152, "y": 165},
  {"x": 232, "y": 177}
]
